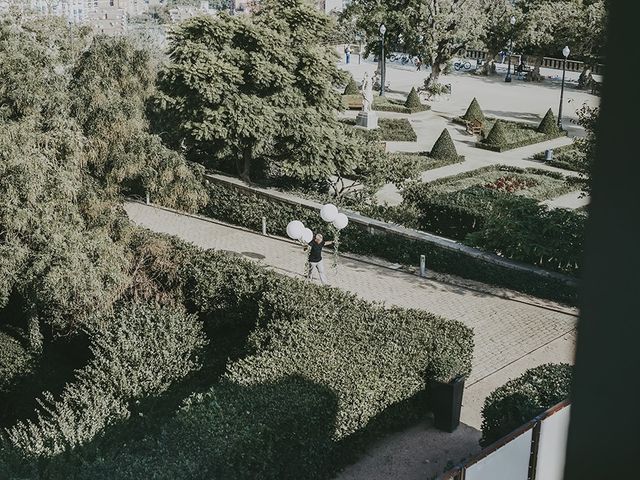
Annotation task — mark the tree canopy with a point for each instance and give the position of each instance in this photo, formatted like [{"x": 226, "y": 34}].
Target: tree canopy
[
  {"x": 73, "y": 140},
  {"x": 255, "y": 92}
]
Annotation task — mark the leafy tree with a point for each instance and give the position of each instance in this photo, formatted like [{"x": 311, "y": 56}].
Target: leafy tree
[
  {"x": 67, "y": 134},
  {"x": 253, "y": 91},
  {"x": 432, "y": 30},
  {"x": 497, "y": 32},
  {"x": 111, "y": 84},
  {"x": 364, "y": 167}
]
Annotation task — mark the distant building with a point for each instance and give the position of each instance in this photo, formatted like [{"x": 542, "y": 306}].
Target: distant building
[{"x": 333, "y": 6}]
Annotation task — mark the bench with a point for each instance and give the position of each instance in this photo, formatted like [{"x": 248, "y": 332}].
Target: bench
[{"x": 474, "y": 127}]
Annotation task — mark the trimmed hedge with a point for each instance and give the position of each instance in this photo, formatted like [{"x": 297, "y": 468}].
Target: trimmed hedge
[
  {"x": 413, "y": 99},
  {"x": 351, "y": 88},
  {"x": 390, "y": 130},
  {"x": 567, "y": 157},
  {"x": 497, "y": 135},
  {"x": 444, "y": 148},
  {"x": 386, "y": 104},
  {"x": 427, "y": 162},
  {"x": 325, "y": 372},
  {"x": 522, "y": 399},
  {"x": 505, "y": 135},
  {"x": 240, "y": 207},
  {"x": 139, "y": 350},
  {"x": 548, "y": 125},
  {"x": 512, "y": 225},
  {"x": 474, "y": 112}
]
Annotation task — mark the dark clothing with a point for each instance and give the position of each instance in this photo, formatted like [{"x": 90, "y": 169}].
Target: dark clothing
[{"x": 316, "y": 251}]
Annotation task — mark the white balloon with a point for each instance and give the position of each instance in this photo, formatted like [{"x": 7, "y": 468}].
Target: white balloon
[
  {"x": 295, "y": 229},
  {"x": 307, "y": 235},
  {"x": 329, "y": 212},
  {"x": 341, "y": 221}
]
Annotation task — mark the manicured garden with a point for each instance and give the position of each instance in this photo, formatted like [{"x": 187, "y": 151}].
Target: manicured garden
[
  {"x": 501, "y": 135},
  {"x": 390, "y": 130}
]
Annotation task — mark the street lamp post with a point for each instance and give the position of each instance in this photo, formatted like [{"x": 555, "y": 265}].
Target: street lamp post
[
  {"x": 383, "y": 66},
  {"x": 512, "y": 21},
  {"x": 565, "y": 52}
]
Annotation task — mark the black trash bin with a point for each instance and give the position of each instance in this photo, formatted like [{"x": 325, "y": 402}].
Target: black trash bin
[{"x": 446, "y": 403}]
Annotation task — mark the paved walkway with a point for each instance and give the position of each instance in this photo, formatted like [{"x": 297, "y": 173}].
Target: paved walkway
[
  {"x": 507, "y": 332},
  {"x": 571, "y": 200}
]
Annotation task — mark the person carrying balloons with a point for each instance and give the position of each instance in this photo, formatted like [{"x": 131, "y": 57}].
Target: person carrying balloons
[{"x": 315, "y": 247}]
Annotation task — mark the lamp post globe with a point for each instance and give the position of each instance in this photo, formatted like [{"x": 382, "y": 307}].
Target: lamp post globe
[
  {"x": 512, "y": 21},
  {"x": 565, "y": 52},
  {"x": 383, "y": 63}
]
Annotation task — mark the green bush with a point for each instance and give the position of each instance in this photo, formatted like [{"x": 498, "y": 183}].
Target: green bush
[
  {"x": 240, "y": 207},
  {"x": 522, "y": 399},
  {"x": 325, "y": 366},
  {"x": 444, "y": 148},
  {"x": 413, "y": 99},
  {"x": 498, "y": 135},
  {"x": 523, "y": 230},
  {"x": 568, "y": 157},
  {"x": 16, "y": 361},
  {"x": 474, "y": 112},
  {"x": 548, "y": 124},
  {"x": 510, "y": 135},
  {"x": 351, "y": 88},
  {"x": 138, "y": 351},
  {"x": 386, "y": 104},
  {"x": 426, "y": 162},
  {"x": 390, "y": 130}
]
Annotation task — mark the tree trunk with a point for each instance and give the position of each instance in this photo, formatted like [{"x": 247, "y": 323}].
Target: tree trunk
[
  {"x": 585, "y": 77},
  {"x": 35, "y": 335},
  {"x": 436, "y": 70},
  {"x": 535, "y": 75},
  {"x": 244, "y": 165},
  {"x": 488, "y": 67}
]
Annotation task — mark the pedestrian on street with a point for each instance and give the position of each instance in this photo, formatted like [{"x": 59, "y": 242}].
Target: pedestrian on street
[
  {"x": 347, "y": 53},
  {"x": 315, "y": 247},
  {"x": 418, "y": 64}
]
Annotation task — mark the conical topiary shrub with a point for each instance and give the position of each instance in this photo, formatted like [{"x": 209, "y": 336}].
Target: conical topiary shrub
[
  {"x": 444, "y": 148},
  {"x": 351, "y": 88},
  {"x": 548, "y": 124},
  {"x": 474, "y": 112},
  {"x": 413, "y": 100},
  {"x": 498, "y": 135}
]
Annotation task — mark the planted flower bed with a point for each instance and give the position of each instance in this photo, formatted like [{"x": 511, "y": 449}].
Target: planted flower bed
[{"x": 391, "y": 130}]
